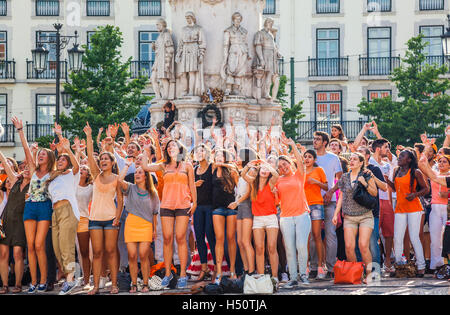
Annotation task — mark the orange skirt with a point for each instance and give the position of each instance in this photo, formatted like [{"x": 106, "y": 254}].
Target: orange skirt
[
  {"x": 83, "y": 225},
  {"x": 137, "y": 230}
]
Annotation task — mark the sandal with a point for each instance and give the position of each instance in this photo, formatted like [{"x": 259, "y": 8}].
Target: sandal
[
  {"x": 94, "y": 291},
  {"x": 133, "y": 289},
  {"x": 203, "y": 275},
  {"x": 114, "y": 290},
  {"x": 145, "y": 288},
  {"x": 4, "y": 290},
  {"x": 17, "y": 289}
]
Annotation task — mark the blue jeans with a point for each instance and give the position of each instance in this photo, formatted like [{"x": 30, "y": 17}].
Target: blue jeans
[
  {"x": 295, "y": 232},
  {"x": 203, "y": 225},
  {"x": 373, "y": 246}
]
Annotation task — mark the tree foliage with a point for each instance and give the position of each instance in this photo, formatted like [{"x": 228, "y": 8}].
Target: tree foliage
[
  {"x": 292, "y": 115},
  {"x": 422, "y": 106},
  {"x": 102, "y": 92}
]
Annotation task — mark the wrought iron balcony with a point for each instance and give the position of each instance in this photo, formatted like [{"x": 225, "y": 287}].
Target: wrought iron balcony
[
  {"x": 149, "y": 8},
  {"x": 428, "y": 5},
  {"x": 438, "y": 61},
  {"x": 379, "y": 5},
  {"x": 141, "y": 69},
  {"x": 9, "y": 134},
  {"x": 3, "y": 8},
  {"x": 7, "y": 69},
  {"x": 98, "y": 8},
  {"x": 34, "y": 131},
  {"x": 306, "y": 129},
  {"x": 49, "y": 73},
  {"x": 327, "y": 67},
  {"x": 47, "y": 7},
  {"x": 378, "y": 65},
  {"x": 327, "y": 6}
]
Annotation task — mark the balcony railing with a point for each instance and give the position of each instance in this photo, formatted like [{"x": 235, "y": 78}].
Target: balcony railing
[
  {"x": 7, "y": 69},
  {"x": 328, "y": 67},
  {"x": 141, "y": 69},
  {"x": 306, "y": 129},
  {"x": 378, "y": 65},
  {"x": 150, "y": 8},
  {"x": 34, "y": 131},
  {"x": 438, "y": 61},
  {"x": 3, "y": 8},
  {"x": 270, "y": 7},
  {"x": 9, "y": 134},
  {"x": 49, "y": 73},
  {"x": 327, "y": 6},
  {"x": 98, "y": 8},
  {"x": 47, "y": 8},
  {"x": 379, "y": 5},
  {"x": 428, "y": 5}
]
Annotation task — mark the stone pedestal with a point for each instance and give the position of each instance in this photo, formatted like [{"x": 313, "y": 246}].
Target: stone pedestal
[{"x": 214, "y": 16}]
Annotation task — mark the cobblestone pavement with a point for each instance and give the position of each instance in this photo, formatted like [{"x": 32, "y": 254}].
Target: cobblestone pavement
[{"x": 386, "y": 286}]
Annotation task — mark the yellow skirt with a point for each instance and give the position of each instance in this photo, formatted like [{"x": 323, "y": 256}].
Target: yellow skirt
[
  {"x": 137, "y": 230},
  {"x": 83, "y": 225}
]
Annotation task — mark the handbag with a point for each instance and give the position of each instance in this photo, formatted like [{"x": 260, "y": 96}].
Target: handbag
[
  {"x": 362, "y": 196},
  {"x": 346, "y": 272},
  {"x": 258, "y": 284}
]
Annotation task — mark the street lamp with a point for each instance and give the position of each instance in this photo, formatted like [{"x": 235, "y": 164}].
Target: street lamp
[
  {"x": 446, "y": 40},
  {"x": 66, "y": 99},
  {"x": 40, "y": 58}
]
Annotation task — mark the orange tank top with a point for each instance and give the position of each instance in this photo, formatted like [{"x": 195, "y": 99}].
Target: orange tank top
[
  {"x": 264, "y": 204},
  {"x": 403, "y": 188},
  {"x": 176, "y": 193},
  {"x": 103, "y": 207}
]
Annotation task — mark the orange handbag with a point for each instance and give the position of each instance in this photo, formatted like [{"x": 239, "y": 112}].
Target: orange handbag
[{"x": 348, "y": 272}]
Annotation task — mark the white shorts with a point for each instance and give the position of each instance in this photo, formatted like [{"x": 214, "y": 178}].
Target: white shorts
[{"x": 265, "y": 221}]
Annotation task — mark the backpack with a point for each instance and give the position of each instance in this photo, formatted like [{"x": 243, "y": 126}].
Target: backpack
[{"x": 124, "y": 281}]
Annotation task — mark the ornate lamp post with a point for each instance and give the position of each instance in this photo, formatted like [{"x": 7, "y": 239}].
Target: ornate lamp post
[{"x": 40, "y": 58}]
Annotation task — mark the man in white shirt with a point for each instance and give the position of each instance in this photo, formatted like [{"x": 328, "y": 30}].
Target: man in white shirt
[{"x": 333, "y": 170}]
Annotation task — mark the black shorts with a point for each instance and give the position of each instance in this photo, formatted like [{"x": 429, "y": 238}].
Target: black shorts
[{"x": 174, "y": 213}]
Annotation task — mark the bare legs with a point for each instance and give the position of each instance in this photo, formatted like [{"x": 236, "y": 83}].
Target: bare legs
[{"x": 36, "y": 233}]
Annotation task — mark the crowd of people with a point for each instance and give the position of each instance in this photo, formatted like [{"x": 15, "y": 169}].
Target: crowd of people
[{"x": 256, "y": 202}]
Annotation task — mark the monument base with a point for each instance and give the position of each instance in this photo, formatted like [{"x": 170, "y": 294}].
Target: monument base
[{"x": 236, "y": 107}]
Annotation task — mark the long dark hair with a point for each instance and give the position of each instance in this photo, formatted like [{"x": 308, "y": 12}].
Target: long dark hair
[
  {"x": 181, "y": 156},
  {"x": 255, "y": 184},
  {"x": 314, "y": 155},
  {"x": 341, "y": 131},
  {"x": 227, "y": 180}
]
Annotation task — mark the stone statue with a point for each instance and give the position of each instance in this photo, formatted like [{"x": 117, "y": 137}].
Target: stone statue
[
  {"x": 266, "y": 60},
  {"x": 163, "y": 71},
  {"x": 236, "y": 56},
  {"x": 190, "y": 55}
]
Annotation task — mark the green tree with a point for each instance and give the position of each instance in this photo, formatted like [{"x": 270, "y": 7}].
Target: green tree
[
  {"x": 423, "y": 105},
  {"x": 102, "y": 92},
  {"x": 291, "y": 115}
]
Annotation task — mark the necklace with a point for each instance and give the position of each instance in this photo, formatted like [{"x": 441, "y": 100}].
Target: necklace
[{"x": 142, "y": 195}]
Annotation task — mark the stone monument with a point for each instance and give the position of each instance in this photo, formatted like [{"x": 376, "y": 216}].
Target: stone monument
[{"x": 241, "y": 60}]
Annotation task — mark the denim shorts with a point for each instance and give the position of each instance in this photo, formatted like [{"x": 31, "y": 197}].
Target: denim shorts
[
  {"x": 38, "y": 211},
  {"x": 317, "y": 212},
  {"x": 224, "y": 212},
  {"x": 102, "y": 225}
]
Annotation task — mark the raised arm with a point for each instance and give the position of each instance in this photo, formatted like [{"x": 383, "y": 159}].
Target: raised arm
[
  {"x": 9, "y": 171},
  {"x": 297, "y": 154},
  {"x": 126, "y": 132},
  {"x": 28, "y": 155},
  {"x": 121, "y": 180},
  {"x": 192, "y": 188},
  {"x": 151, "y": 167},
  {"x": 90, "y": 151},
  {"x": 73, "y": 159},
  {"x": 361, "y": 134}
]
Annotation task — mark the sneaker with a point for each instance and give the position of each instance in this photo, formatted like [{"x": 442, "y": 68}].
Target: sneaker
[
  {"x": 304, "y": 279},
  {"x": 312, "y": 273},
  {"x": 166, "y": 281},
  {"x": 102, "y": 283},
  {"x": 217, "y": 281},
  {"x": 291, "y": 284},
  {"x": 182, "y": 283},
  {"x": 275, "y": 283},
  {"x": 42, "y": 288},
  {"x": 284, "y": 277},
  {"x": 321, "y": 274},
  {"x": 32, "y": 289},
  {"x": 68, "y": 287},
  {"x": 387, "y": 269},
  {"x": 442, "y": 272}
]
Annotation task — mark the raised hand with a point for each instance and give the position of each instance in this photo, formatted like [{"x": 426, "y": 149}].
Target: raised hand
[
  {"x": 57, "y": 129},
  {"x": 113, "y": 129},
  {"x": 17, "y": 123},
  {"x": 87, "y": 130},
  {"x": 125, "y": 128}
]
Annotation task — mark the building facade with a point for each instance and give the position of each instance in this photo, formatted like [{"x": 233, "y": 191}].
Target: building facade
[{"x": 344, "y": 50}]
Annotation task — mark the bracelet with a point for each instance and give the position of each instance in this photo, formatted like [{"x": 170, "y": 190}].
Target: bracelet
[{"x": 19, "y": 129}]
